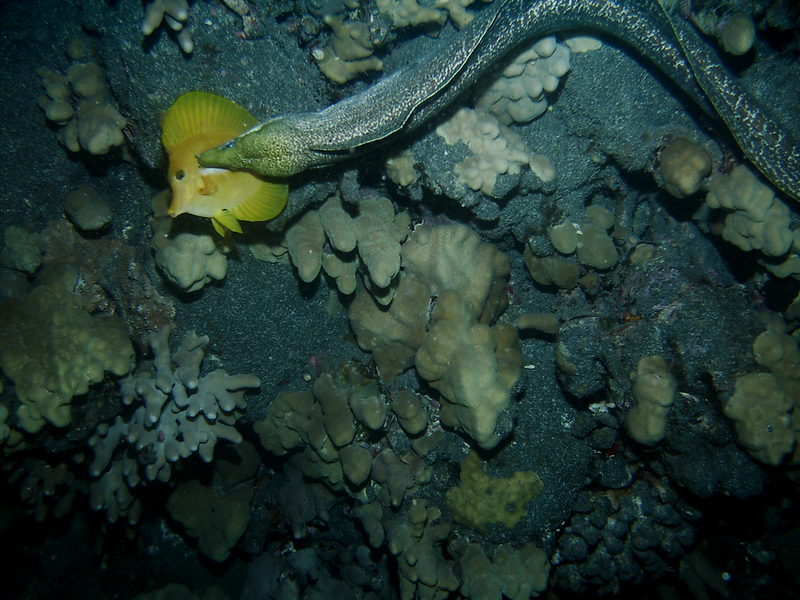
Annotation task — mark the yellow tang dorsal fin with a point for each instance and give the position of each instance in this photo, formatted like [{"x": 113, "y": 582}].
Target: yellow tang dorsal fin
[
  {"x": 225, "y": 220},
  {"x": 266, "y": 203},
  {"x": 196, "y": 112}
]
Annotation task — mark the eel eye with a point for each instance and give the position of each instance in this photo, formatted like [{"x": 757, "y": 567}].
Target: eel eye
[
  {"x": 228, "y": 144},
  {"x": 179, "y": 175}
]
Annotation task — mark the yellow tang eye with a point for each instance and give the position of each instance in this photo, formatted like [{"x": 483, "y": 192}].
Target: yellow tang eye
[{"x": 179, "y": 175}]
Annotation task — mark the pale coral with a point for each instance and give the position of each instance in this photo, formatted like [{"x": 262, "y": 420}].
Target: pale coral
[
  {"x": 683, "y": 165},
  {"x": 519, "y": 95},
  {"x": 495, "y": 150},
  {"x": 82, "y": 105},
  {"x": 405, "y": 13},
  {"x": 174, "y": 13},
  {"x": 349, "y": 52},
  {"x": 654, "y": 388},
  {"x": 756, "y": 220},
  {"x": 191, "y": 261}
]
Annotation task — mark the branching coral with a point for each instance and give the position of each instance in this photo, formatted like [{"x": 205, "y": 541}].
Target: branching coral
[
  {"x": 654, "y": 388},
  {"x": 765, "y": 407},
  {"x": 86, "y": 209},
  {"x": 177, "y": 413},
  {"x": 22, "y": 250},
  {"x": 414, "y": 538},
  {"x": 216, "y": 515},
  {"x": 682, "y": 166},
  {"x": 472, "y": 364},
  {"x": 371, "y": 239},
  {"x": 190, "y": 261},
  {"x": 756, "y": 220},
  {"x": 405, "y": 13},
  {"x": 324, "y": 423},
  {"x": 517, "y": 573}
]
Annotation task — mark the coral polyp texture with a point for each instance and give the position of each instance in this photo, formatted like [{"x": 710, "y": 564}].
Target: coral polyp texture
[{"x": 53, "y": 350}]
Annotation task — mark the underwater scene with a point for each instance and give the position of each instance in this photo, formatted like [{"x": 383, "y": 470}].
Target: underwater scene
[{"x": 400, "y": 299}]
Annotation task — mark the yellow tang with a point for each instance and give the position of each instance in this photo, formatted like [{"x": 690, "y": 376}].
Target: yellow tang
[{"x": 194, "y": 123}]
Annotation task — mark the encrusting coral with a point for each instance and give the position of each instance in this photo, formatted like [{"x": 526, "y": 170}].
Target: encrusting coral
[{"x": 480, "y": 500}]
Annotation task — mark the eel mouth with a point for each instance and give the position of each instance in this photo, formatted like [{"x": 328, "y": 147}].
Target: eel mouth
[{"x": 218, "y": 157}]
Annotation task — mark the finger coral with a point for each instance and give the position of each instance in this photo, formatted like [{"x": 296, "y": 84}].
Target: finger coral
[
  {"x": 472, "y": 364},
  {"x": 349, "y": 52},
  {"x": 374, "y": 233},
  {"x": 177, "y": 412},
  {"x": 174, "y": 13},
  {"x": 82, "y": 105}
]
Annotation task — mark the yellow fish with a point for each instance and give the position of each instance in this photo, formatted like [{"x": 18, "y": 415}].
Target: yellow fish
[{"x": 194, "y": 123}]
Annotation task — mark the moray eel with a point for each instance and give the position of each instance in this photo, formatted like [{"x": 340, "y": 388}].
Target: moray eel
[{"x": 401, "y": 102}]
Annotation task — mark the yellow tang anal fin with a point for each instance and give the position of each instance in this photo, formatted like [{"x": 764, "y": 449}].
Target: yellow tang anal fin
[
  {"x": 196, "y": 113},
  {"x": 225, "y": 220},
  {"x": 266, "y": 203},
  {"x": 218, "y": 228}
]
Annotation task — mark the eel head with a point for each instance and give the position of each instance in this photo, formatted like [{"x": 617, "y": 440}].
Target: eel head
[{"x": 274, "y": 148}]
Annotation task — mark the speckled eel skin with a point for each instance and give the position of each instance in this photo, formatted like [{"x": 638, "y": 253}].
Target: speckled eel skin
[{"x": 290, "y": 144}]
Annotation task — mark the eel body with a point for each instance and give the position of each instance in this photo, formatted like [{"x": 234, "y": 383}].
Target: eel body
[{"x": 400, "y": 102}]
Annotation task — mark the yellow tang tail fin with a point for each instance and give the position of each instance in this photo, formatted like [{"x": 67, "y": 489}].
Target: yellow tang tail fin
[{"x": 266, "y": 203}]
